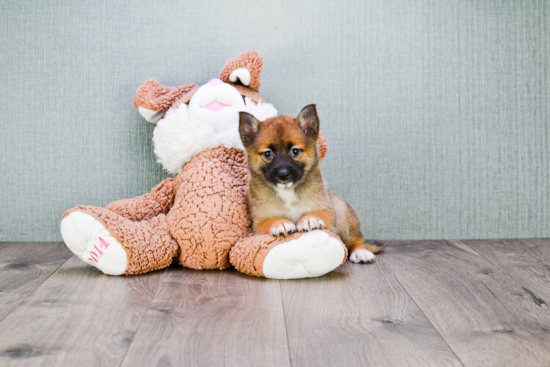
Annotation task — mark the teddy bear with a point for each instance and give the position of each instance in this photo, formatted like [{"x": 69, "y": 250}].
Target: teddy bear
[{"x": 199, "y": 217}]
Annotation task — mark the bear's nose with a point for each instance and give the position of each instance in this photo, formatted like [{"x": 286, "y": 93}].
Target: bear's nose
[
  {"x": 283, "y": 174},
  {"x": 215, "y": 82}
]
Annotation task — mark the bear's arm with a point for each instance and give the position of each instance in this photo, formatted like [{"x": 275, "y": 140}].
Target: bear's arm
[{"x": 147, "y": 206}]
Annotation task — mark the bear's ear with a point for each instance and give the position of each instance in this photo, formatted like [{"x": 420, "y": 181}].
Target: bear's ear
[
  {"x": 153, "y": 99},
  {"x": 322, "y": 146},
  {"x": 245, "y": 69}
]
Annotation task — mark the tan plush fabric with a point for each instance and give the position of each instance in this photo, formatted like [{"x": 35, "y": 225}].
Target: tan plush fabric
[
  {"x": 154, "y": 96},
  {"x": 210, "y": 212},
  {"x": 322, "y": 146},
  {"x": 158, "y": 201},
  {"x": 252, "y": 60}
]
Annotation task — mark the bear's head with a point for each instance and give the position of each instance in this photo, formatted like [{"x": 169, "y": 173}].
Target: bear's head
[{"x": 191, "y": 119}]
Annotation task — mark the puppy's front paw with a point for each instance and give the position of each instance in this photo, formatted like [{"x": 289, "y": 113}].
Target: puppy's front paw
[
  {"x": 309, "y": 223},
  {"x": 361, "y": 256},
  {"x": 282, "y": 228}
]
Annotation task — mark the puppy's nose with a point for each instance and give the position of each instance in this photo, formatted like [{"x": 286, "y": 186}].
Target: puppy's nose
[{"x": 283, "y": 174}]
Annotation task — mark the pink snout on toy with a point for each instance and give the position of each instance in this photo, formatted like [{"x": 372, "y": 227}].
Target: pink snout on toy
[
  {"x": 216, "y": 105},
  {"x": 215, "y": 82}
]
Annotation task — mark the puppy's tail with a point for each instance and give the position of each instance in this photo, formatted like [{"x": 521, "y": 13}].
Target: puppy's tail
[{"x": 374, "y": 247}]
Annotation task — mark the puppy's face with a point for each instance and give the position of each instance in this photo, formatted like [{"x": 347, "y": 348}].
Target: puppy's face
[{"x": 282, "y": 150}]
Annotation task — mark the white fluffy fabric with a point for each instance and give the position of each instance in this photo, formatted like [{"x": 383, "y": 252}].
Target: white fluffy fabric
[
  {"x": 177, "y": 138},
  {"x": 314, "y": 254}
]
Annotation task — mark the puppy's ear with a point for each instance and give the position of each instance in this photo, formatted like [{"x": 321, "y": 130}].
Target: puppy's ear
[
  {"x": 308, "y": 121},
  {"x": 248, "y": 128}
]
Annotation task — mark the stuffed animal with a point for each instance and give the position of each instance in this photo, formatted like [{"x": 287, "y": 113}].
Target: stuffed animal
[{"x": 199, "y": 217}]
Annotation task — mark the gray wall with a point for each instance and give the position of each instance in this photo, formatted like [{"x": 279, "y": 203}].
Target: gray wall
[{"x": 436, "y": 112}]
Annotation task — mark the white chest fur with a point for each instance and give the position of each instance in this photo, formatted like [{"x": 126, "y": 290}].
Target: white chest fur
[{"x": 294, "y": 209}]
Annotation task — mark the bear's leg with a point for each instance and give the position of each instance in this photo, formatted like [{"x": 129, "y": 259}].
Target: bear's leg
[
  {"x": 116, "y": 245},
  {"x": 301, "y": 255}
]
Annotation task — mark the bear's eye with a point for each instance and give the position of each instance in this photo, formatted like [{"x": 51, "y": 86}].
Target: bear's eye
[
  {"x": 268, "y": 154},
  {"x": 295, "y": 151}
]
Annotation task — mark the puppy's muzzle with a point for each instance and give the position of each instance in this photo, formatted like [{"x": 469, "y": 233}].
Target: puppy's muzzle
[{"x": 283, "y": 171}]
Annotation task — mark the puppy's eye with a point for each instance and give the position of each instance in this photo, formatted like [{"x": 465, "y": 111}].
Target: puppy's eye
[
  {"x": 268, "y": 154},
  {"x": 295, "y": 151}
]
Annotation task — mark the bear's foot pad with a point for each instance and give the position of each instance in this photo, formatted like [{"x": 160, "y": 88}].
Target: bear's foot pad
[
  {"x": 314, "y": 254},
  {"x": 88, "y": 239}
]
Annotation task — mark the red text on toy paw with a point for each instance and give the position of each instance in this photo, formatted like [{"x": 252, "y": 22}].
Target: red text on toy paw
[{"x": 96, "y": 253}]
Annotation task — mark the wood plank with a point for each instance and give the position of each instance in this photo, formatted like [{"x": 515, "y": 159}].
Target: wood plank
[
  {"x": 212, "y": 318},
  {"x": 78, "y": 317},
  {"x": 359, "y": 315},
  {"x": 527, "y": 261},
  {"x": 24, "y": 266},
  {"x": 483, "y": 313}
]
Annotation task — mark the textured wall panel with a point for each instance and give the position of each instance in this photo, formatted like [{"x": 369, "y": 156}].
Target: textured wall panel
[{"x": 436, "y": 112}]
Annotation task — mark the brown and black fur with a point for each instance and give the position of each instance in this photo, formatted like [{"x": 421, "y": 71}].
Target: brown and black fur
[{"x": 271, "y": 146}]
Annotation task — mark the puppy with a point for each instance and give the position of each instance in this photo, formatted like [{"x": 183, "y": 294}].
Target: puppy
[{"x": 287, "y": 192}]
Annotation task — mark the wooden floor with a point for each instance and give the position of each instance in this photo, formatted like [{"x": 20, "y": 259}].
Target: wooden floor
[{"x": 430, "y": 303}]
